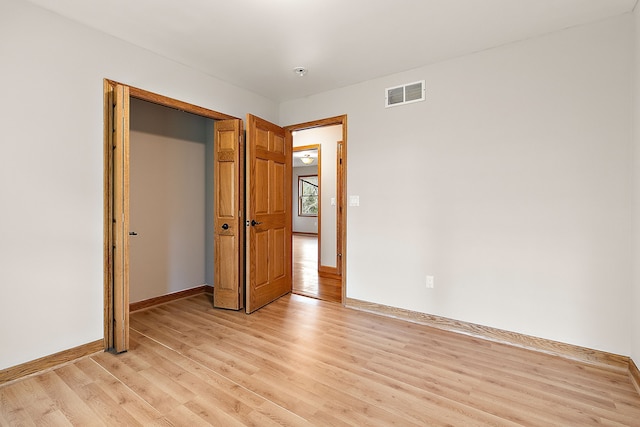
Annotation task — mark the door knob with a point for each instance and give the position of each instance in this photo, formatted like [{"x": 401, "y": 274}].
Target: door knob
[
  {"x": 254, "y": 222},
  {"x": 133, "y": 233},
  {"x": 225, "y": 226}
]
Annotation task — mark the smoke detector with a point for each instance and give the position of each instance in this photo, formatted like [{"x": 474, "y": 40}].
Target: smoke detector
[{"x": 300, "y": 71}]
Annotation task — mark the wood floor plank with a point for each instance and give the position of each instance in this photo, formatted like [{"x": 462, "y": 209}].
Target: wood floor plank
[
  {"x": 145, "y": 389},
  {"x": 301, "y": 361},
  {"x": 15, "y": 406},
  {"x": 213, "y": 415},
  {"x": 306, "y": 279},
  {"x": 120, "y": 393},
  {"x": 74, "y": 406},
  {"x": 227, "y": 396},
  {"x": 181, "y": 415}
]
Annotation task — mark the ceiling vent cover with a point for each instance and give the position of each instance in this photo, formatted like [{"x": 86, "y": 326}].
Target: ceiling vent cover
[{"x": 404, "y": 94}]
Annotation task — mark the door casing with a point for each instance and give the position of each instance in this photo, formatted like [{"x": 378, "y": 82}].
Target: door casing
[{"x": 116, "y": 308}]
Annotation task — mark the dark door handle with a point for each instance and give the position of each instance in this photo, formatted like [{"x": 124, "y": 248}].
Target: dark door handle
[
  {"x": 254, "y": 222},
  {"x": 133, "y": 233},
  {"x": 225, "y": 226}
]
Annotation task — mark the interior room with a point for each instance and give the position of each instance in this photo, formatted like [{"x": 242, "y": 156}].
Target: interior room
[{"x": 490, "y": 272}]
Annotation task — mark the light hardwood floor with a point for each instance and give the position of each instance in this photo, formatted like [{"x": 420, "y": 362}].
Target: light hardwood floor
[
  {"x": 301, "y": 361},
  {"x": 306, "y": 280}
]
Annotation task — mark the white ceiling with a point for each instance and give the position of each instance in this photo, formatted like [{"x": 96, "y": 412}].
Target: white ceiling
[{"x": 255, "y": 44}]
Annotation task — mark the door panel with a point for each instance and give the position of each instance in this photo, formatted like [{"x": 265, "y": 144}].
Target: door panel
[
  {"x": 278, "y": 264},
  {"x": 277, "y": 144},
  {"x": 261, "y": 259},
  {"x": 227, "y": 273},
  {"x": 262, "y": 139},
  {"x": 278, "y": 195},
  {"x": 228, "y": 227},
  {"x": 226, "y": 190},
  {"x": 262, "y": 186},
  {"x": 268, "y": 212}
]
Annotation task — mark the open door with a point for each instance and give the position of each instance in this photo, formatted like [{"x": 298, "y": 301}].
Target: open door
[
  {"x": 120, "y": 216},
  {"x": 268, "y": 184},
  {"x": 228, "y": 226}
]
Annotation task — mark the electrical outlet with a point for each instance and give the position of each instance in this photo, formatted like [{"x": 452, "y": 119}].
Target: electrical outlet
[{"x": 430, "y": 282}]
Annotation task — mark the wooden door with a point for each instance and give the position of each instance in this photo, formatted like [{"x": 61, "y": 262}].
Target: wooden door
[
  {"x": 120, "y": 217},
  {"x": 268, "y": 162},
  {"x": 228, "y": 224}
]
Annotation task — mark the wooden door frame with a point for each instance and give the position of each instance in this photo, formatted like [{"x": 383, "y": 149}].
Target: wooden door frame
[
  {"x": 109, "y": 190},
  {"x": 341, "y": 219}
]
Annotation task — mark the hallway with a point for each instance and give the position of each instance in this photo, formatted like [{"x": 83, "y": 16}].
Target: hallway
[{"x": 305, "y": 271}]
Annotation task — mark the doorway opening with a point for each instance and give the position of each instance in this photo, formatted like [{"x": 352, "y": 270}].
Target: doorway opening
[
  {"x": 117, "y": 230},
  {"x": 171, "y": 197},
  {"x": 319, "y": 250}
]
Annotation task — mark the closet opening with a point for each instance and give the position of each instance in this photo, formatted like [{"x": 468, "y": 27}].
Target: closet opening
[{"x": 170, "y": 200}]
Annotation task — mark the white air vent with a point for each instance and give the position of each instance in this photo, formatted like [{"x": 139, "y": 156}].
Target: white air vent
[{"x": 405, "y": 94}]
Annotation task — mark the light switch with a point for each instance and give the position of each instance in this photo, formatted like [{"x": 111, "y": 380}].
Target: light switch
[
  {"x": 354, "y": 200},
  {"x": 333, "y": 201}
]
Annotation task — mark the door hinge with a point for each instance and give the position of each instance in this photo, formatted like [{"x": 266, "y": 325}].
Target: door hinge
[{"x": 113, "y": 118}]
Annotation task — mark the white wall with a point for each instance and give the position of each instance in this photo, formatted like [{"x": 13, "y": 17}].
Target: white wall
[
  {"x": 302, "y": 224},
  {"x": 511, "y": 185},
  {"x": 327, "y": 137},
  {"x": 635, "y": 297},
  {"x": 167, "y": 200},
  {"x": 51, "y": 167}
]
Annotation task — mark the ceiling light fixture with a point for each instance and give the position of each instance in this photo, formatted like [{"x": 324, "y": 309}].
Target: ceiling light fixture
[
  {"x": 307, "y": 160},
  {"x": 300, "y": 71}
]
